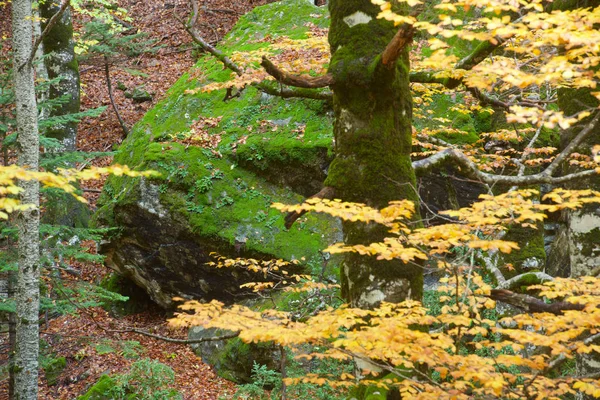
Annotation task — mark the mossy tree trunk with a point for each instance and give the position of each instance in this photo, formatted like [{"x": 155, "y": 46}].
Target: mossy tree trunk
[
  {"x": 61, "y": 65},
  {"x": 372, "y": 130},
  {"x": 60, "y": 61}
]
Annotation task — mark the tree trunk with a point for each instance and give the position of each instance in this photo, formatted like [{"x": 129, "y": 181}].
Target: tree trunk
[
  {"x": 12, "y": 337},
  {"x": 27, "y": 290},
  {"x": 61, "y": 63},
  {"x": 372, "y": 130}
]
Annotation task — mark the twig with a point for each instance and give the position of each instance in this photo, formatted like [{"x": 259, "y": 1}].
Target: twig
[
  {"x": 190, "y": 27},
  {"x": 46, "y": 31}
]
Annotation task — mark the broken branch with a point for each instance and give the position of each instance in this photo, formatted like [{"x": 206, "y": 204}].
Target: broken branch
[{"x": 300, "y": 81}]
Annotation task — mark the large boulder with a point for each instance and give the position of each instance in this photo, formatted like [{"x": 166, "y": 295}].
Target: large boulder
[{"x": 215, "y": 193}]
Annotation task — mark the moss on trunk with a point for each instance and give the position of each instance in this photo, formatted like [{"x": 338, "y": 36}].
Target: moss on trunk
[{"x": 372, "y": 130}]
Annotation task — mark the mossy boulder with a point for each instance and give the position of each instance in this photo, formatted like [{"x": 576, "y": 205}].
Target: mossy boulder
[
  {"x": 233, "y": 359},
  {"x": 219, "y": 199}
]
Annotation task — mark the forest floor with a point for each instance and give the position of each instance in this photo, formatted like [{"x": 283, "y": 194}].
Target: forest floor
[{"x": 77, "y": 337}]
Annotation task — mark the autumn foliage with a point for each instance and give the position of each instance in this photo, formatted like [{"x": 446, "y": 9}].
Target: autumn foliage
[{"x": 466, "y": 349}]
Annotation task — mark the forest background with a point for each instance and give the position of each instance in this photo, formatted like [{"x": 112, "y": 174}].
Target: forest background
[{"x": 521, "y": 210}]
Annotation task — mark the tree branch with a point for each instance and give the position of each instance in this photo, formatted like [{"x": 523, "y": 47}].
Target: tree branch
[
  {"x": 585, "y": 132},
  {"x": 326, "y": 193},
  {"x": 485, "y": 99},
  {"x": 298, "y": 92},
  {"x": 470, "y": 169},
  {"x": 49, "y": 26},
  {"x": 401, "y": 39},
  {"x": 190, "y": 27},
  {"x": 180, "y": 341},
  {"x": 532, "y": 304},
  {"x": 112, "y": 100},
  {"x": 525, "y": 279},
  {"x": 301, "y": 81}
]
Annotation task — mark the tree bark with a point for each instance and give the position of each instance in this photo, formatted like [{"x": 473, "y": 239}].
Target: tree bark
[
  {"x": 372, "y": 129},
  {"x": 12, "y": 338},
  {"x": 60, "y": 61},
  {"x": 27, "y": 290}
]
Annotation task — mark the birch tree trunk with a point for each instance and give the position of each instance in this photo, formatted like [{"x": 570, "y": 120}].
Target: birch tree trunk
[{"x": 27, "y": 290}]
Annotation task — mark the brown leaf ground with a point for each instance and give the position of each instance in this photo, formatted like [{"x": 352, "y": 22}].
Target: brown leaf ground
[{"x": 75, "y": 337}]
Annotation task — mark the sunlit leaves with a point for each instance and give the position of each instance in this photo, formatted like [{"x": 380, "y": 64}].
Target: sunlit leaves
[{"x": 64, "y": 180}]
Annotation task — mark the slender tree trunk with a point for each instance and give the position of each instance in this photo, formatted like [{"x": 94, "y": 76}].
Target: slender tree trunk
[
  {"x": 372, "y": 129},
  {"x": 112, "y": 99},
  {"x": 27, "y": 290}
]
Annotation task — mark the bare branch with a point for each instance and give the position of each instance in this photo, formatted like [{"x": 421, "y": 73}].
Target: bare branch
[
  {"x": 301, "y": 81},
  {"x": 585, "y": 132},
  {"x": 49, "y": 26},
  {"x": 179, "y": 341},
  {"x": 191, "y": 28},
  {"x": 401, "y": 39},
  {"x": 298, "y": 92},
  {"x": 532, "y": 304},
  {"x": 470, "y": 169},
  {"x": 524, "y": 279}
]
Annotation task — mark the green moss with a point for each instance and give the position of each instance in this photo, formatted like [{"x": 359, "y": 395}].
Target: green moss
[
  {"x": 588, "y": 242},
  {"x": 53, "y": 369},
  {"x": 531, "y": 255},
  {"x": 101, "y": 390},
  {"x": 257, "y": 164},
  {"x": 234, "y": 362}
]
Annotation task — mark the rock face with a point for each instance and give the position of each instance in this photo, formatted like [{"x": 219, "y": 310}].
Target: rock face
[
  {"x": 233, "y": 359},
  {"x": 223, "y": 164}
]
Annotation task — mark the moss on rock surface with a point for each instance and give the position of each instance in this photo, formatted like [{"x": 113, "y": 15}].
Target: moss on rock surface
[
  {"x": 101, "y": 390},
  {"x": 218, "y": 200}
]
